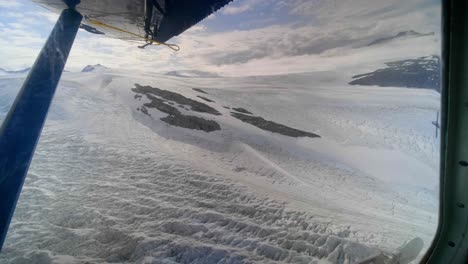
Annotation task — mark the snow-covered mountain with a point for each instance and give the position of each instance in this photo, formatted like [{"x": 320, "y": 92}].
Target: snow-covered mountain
[
  {"x": 423, "y": 72},
  {"x": 3, "y": 71},
  {"x": 400, "y": 35},
  {"x": 96, "y": 67}
]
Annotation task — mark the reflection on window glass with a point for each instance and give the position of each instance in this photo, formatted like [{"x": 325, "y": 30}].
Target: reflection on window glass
[{"x": 281, "y": 132}]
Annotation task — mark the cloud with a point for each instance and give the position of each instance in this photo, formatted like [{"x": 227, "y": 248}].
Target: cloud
[
  {"x": 51, "y": 17},
  {"x": 9, "y": 4},
  {"x": 233, "y": 10},
  {"x": 238, "y": 7},
  {"x": 211, "y": 17},
  {"x": 196, "y": 28},
  {"x": 13, "y": 15},
  {"x": 309, "y": 35},
  {"x": 356, "y": 12},
  {"x": 342, "y": 60},
  {"x": 348, "y": 24}
]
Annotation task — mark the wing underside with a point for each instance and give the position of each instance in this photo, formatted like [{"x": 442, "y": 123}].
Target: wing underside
[
  {"x": 140, "y": 20},
  {"x": 183, "y": 14}
]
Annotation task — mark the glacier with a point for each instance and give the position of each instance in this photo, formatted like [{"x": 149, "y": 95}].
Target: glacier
[{"x": 193, "y": 167}]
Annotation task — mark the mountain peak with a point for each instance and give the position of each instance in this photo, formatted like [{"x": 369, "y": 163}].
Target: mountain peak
[
  {"x": 25, "y": 70},
  {"x": 401, "y": 34},
  {"x": 90, "y": 68}
]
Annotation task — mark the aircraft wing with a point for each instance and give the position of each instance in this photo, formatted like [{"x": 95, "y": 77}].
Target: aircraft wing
[
  {"x": 140, "y": 20},
  {"x": 183, "y": 14}
]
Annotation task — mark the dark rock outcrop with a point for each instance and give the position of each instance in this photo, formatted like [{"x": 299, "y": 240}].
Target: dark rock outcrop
[
  {"x": 176, "y": 98},
  {"x": 161, "y": 106},
  {"x": 241, "y": 110},
  {"x": 199, "y": 90},
  {"x": 206, "y": 99},
  {"x": 90, "y": 68},
  {"x": 175, "y": 117},
  {"x": 422, "y": 72},
  {"x": 192, "y": 122},
  {"x": 272, "y": 126}
]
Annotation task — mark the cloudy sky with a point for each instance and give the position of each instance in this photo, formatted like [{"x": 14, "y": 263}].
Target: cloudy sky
[{"x": 244, "y": 38}]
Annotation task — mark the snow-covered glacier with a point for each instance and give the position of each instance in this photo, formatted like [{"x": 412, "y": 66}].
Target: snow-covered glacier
[{"x": 137, "y": 167}]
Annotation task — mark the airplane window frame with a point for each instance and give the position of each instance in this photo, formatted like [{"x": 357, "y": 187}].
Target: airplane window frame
[{"x": 451, "y": 244}]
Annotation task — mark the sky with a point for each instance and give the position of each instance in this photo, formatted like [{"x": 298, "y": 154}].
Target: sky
[{"x": 246, "y": 37}]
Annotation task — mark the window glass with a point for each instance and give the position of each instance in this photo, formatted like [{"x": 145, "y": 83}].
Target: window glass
[{"x": 281, "y": 131}]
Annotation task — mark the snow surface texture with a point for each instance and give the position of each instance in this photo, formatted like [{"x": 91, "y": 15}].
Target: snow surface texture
[{"x": 110, "y": 183}]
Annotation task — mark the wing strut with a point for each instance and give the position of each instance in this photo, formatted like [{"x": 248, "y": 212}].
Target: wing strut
[{"x": 22, "y": 126}]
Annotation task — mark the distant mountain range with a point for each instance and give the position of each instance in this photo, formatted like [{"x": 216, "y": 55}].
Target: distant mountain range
[
  {"x": 423, "y": 72},
  {"x": 90, "y": 68},
  {"x": 192, "y": 74},
  {"x": 402, "y": 34},
  {"x": 3, "y": 71}
]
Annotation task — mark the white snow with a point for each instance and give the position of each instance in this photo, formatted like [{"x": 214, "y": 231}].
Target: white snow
[{"x": 111, "y": 184}]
